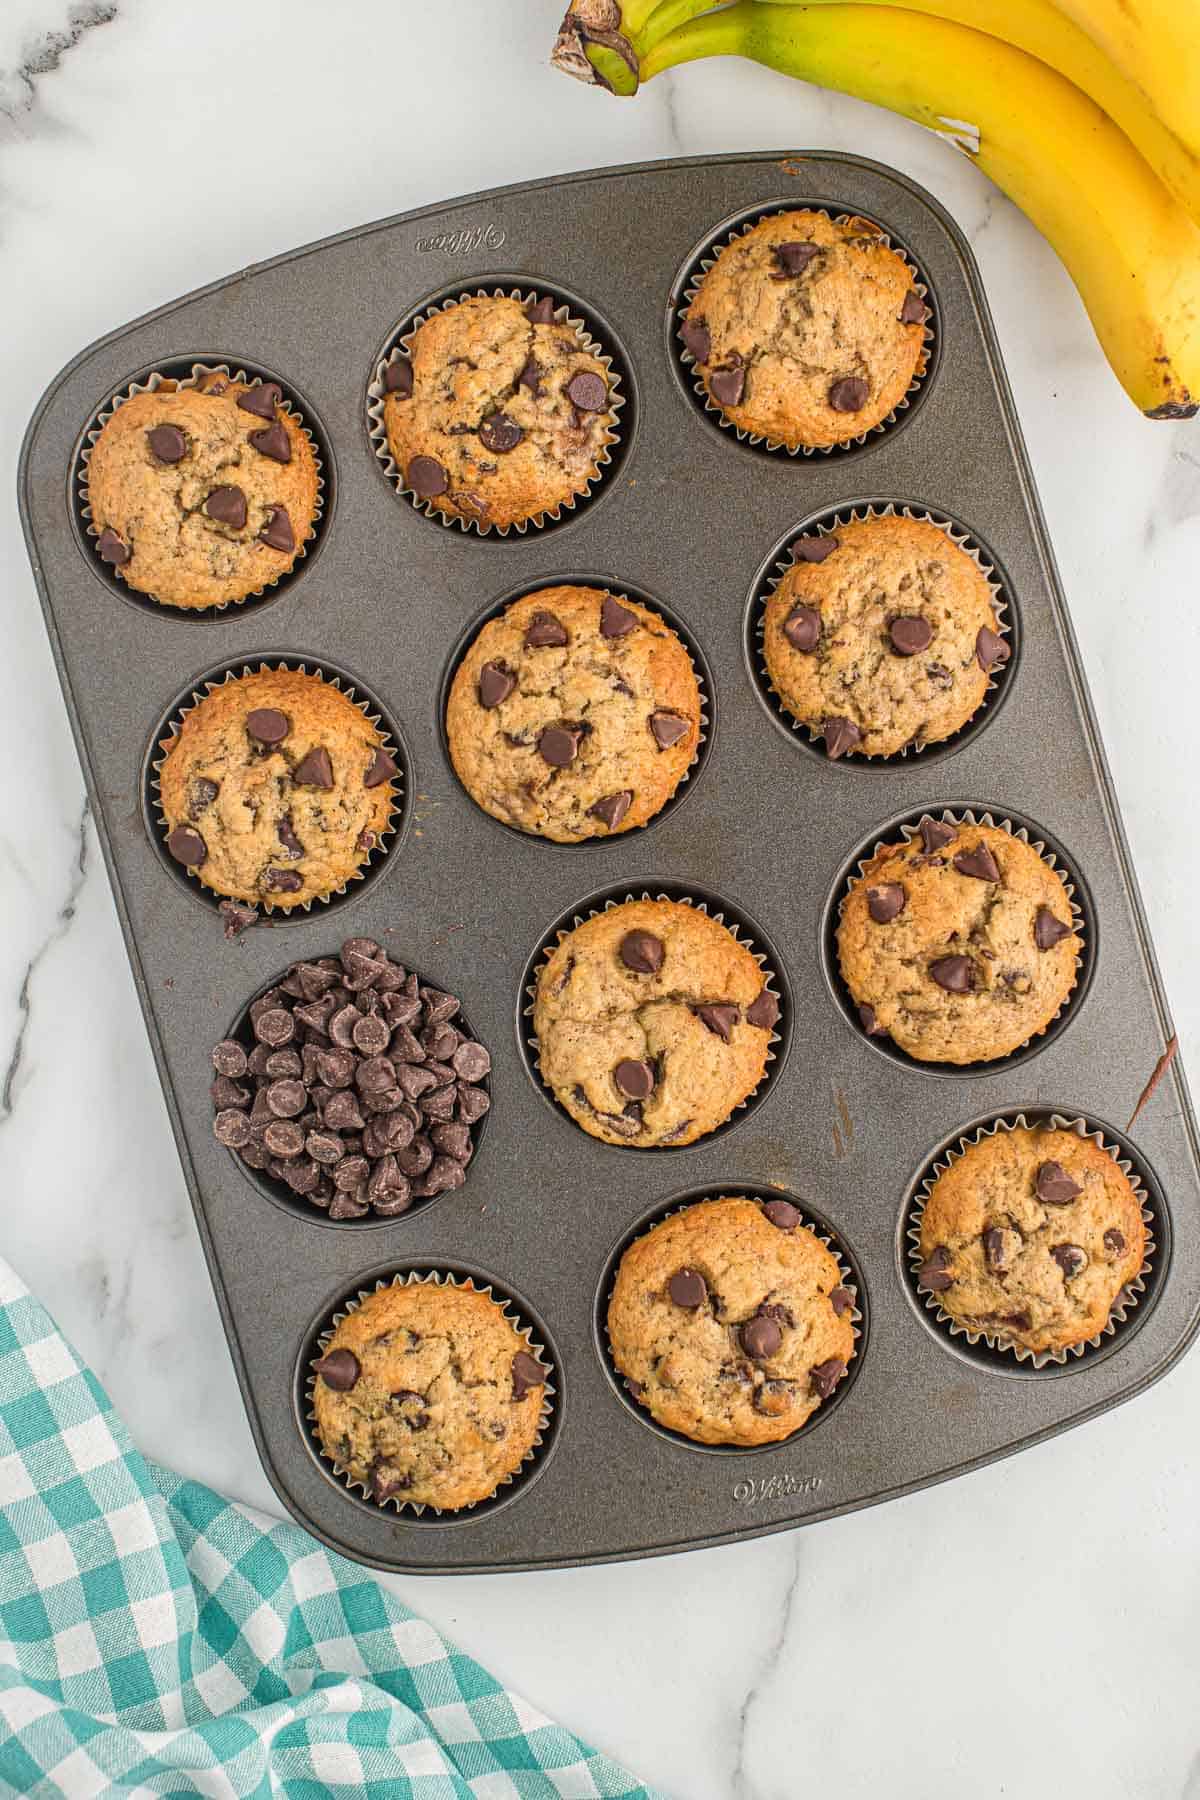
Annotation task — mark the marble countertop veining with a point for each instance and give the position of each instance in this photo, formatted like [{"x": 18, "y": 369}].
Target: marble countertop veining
[{"x": 1029, "y": 1629}]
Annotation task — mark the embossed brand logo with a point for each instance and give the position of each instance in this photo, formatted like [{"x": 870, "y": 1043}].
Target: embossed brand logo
[
  {"x": 775, "y": 1487},
  {"x": 458, "y": 243}
]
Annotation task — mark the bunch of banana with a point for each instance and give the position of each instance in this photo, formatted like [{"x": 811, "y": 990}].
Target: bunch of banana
[{"x": 1085, "y": 112}]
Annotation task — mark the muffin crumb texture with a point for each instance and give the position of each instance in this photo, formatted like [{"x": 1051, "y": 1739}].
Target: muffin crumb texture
[
  {"x": 730, "y": 1322},
  {"x": 1030, "y": 1236},
  {"x": 427, "y": 1394}
]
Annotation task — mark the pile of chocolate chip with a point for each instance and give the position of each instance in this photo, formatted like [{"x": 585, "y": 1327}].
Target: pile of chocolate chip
[{"x": 353, "y": 1088}]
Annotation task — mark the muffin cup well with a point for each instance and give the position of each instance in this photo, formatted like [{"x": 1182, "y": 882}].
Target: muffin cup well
[
  {"x": 742, "y": 932},
  {"x": 181, "y": 375},
  {"x": 699, "y": 666},
  {"x": 826, "y": 524},
  {"x": 1082, "y": 920},
  {"x": 400, "y": 341},
  {"x": 809, "y": 1221},
  {"x": 1120, "y": 1315},
  {"x": 510, "y": 1485},
  {"x": 160, "y": 746},
  {"x": 688, "y": 285}
]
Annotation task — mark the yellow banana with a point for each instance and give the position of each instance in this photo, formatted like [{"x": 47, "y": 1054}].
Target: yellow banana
[{"x": 1156, "y": 45}]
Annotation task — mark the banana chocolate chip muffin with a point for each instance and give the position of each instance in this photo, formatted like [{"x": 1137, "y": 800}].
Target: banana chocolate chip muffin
[
  {"x": 881, "y": 635},
  {"x": 574, "y": 715},
  {"x": 1030, "y": 1236},
  {"x": 499, "y": 413},
  {"x": 805, "y": 330},
  {"x": 203, "y": 493},
  {"x": 276, "y": 788},
  {"x": 653, "y": 1023},
  {"x": 730, "y": 1322},
  {"x": 958, "y": 943},
  {"x": 428, "y": 1394}
]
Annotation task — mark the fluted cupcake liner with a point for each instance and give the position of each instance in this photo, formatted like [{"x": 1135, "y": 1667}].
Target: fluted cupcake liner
[
  {"x": 371, "y": 712},
  {"x": 151, "y": 384},
  {"x": 696, "y": 280},
  {"x": 1078, "y": 916},
  {"x": 401, "y": 343},
  {"x": 1126, "y": 1300},
  {"x": 827, "y": 526},
  {"x": 739, "y": 934},
  {"x": 735, "y": 1191},
  {"x": 432, "y": 1278}
]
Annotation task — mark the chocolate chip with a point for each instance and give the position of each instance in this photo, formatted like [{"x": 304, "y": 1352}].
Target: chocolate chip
[
  {"x": 1114, "y": 1241},
  {"x": 794, "y": 258},
  {"x": 615, "y": 620},
  {"x": 642, "y": 952},
  {"x": 237, "y": 917},
  {"x": 540, "y": 312},
  {"x": 314, "y": 769},
  {"x": 990, "y": 649},
  {"x": 1000, "y": 1245},
  {"x": 814, "y": 549},
  {"x": 667, "y": 728},
  {"x": 273, "y": 442},
  {"x": 530, "y": 377},
  {"x": 760, "y": 1338},
  {"x": 954, "y": 973},
  {"x": 886, "y": 902},
  {"x": 187, "y": 846},
  {"x": 841, "y": 1300},
  {"x": 841, "y": 735},
  {"x": 588, "y": 391},
  {"x": 634, "y": 1078},
  {"x": 868, "y": 1021},
  {"x": 688, "y": 1288},
  {"x": 229, "y": 1058},
  {"x": 232, "y": 1128},
  {"x": 826, "y": 1375},
  {"x": 782, "y": 1214},
  {"x": 728, "y": 385},
  {"x": 1054, "y": 1186},
  {"x": 545, "y": 632},
  {"x": 383, "y": 768},
  {"x": 612, "y": 809},
  {"x": 227, "y": 506},
  {"x": 1047, "y": 930},
  {"x": 282, "y": 881},
  {"x": 426, "y": 477},
  {"x": 933, "y": 1276},
  {"x": 913, "y": 310},
  {"x": 848, "y": 394},
  {"x": 372, "y": 1036},
  {"x": 273, "y": 1026},
  {"x": 112, "y": 549},
  {"x": 167, "y": 443},
  {"x": 935, "y": 834},
  {"x": 284, "y": 1138},
  {"x": 286, "y": 1099},
  {"x": 277, "y": 533},
  {"x": 339, "y": 1370},
  {"x": 496, "y": 683},
  {"x": 979, "y": 863},
  {"x": 802, "y": 628},
  {"x": 500, "y": 434},
  {"x": 287, "y": 837},
  {"x": 763, "y": 1011},
  {"x": 267, "y": 726},
  {"x": 398, "y": 377},
  {"x": 910, "y": 634},
  {"x": 697, "y": 340},
  {"x": 261, "y": 400},
  {"x": 1071, "y": 1259},
  {"x": 558, "y": 746},
  {"x": 527, "y": 1373},
  {"x": 719, "y": 1019},
  {"x": 471, "y": 1061}
]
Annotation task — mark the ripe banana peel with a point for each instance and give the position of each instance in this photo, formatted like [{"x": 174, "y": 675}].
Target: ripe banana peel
[{"x": 1131, "y": 248}]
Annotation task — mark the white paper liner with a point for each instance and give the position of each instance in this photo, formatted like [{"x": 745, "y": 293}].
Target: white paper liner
[
  {"x": 849, "y": 1281},
  {"x": 676, "y": 793},
  {"x": 1125, "y": 1301},
  {"x": 696, "y": 281},
  {"x": 1078, "y": 917},
  {"x": 294, "y": 666},
  {"x": 739, "y": 936},
  {"x": 149, "y": 386},
  {"x": 828, "y": 526},
  {"x": 402, "y": 341},
  {"x": 433, "y": 1278}
]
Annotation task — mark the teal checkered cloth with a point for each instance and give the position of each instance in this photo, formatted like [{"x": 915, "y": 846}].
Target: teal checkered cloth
[{"x": 158, "y": 1639}]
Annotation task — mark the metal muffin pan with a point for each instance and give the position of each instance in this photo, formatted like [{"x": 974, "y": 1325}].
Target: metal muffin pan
[{"x": 689, "y": 516}]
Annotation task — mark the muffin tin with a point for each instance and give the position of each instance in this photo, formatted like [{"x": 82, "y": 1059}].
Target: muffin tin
[{"x": 692, "y": 519}]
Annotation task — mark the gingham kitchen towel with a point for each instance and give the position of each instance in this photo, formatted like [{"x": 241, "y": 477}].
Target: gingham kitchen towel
[{"x": 158, "y": 1639}]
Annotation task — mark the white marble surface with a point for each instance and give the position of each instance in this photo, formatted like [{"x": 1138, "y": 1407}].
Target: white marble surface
[{"x": 136, "y": 163}]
